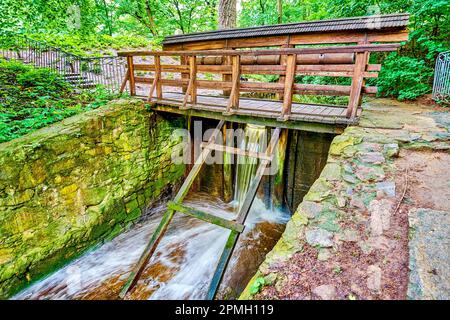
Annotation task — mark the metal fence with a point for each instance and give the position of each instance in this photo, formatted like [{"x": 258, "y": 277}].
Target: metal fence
[
  {"x": 81, "y": 72},
  {"x": 441, "y": 85}
]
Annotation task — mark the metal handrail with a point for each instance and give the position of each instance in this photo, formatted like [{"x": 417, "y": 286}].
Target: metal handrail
[
  {"x": 82, "y": 72},
  {"x": 441, "y": 83}
]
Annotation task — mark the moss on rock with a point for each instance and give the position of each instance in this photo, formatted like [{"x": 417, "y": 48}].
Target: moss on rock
[{"x": 73, "y": 184}]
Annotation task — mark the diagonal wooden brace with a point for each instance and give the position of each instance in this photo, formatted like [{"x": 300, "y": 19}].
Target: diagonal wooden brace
[
  {"x": 242, "y": 216},
  {"x": 167, "y": 218}
]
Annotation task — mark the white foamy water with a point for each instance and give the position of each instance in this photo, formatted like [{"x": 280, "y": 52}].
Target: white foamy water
[{"x": 186, "y": 257}]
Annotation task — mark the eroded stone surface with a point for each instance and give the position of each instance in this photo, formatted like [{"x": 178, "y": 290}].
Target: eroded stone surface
[
  {"x": 325, "y": 292},
  {"x": 67, "y": 186},
  {"x": 429, "y": 255},
  {"x": 319, "y": 237}
]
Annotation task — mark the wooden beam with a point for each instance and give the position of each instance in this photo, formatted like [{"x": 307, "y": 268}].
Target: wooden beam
[
  {"x": 191, "y": 90},
  {"x": 288, "y": 86},
  {"x": 357, "y": 85},
  {"x": 158, "y": 77},
  {"x": 221, "y": 222},
  {"x": 233, "y": 100},
  {"x": 336, "y": 126},
  {"x": 270, "y": 87},
  {"x": 193, "y": 77},
  {"x": 237, "y": 151},
  {"x": 222, "y": 264},
  {"x": 285, "y": 51},
  {"x": 312, "y": 38},
  {"x": 152, "y": 89}
]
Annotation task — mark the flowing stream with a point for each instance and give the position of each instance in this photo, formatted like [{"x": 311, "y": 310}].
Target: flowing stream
[{"x": 183, "y": 264}]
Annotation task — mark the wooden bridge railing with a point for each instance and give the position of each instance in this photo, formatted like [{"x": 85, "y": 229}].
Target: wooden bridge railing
[{"x": 336, "y": 61}]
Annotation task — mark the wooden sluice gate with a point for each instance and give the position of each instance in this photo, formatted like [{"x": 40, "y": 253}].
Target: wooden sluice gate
[{"x": 235, "y": 226}]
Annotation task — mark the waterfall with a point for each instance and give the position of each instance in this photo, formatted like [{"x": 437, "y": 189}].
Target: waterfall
[{"x": 254, "y": 140}]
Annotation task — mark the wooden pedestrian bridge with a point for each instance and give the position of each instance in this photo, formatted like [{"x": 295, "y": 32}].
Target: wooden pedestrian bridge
[
  {"x": 212, "y": 77},
  {"x": 333, "y": 48}
]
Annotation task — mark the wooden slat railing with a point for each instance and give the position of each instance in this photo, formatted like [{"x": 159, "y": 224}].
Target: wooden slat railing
[{"x": 335, "y": 61}]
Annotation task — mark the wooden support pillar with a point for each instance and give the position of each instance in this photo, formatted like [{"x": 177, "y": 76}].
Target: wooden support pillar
[
  {"x": 291, "y": 62},
  {"x": 184, "y": 75},
  {"x": 192, "y": 85},
  {"x": 357, "y": 84},
  {"x": 283, "y": 63},
  {"x": 233, "y": 101},
  {"x": 193, "y": 78},
  {"x": 158, "y": 76},
  {"x": 226, "y": 77},
  {"x": 278, "y": 182},
  {"x": 131, "y": 76}
]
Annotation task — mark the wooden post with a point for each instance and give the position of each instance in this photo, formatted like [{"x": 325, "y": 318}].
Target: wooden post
[
  {"x": 282, "y": 78},
  {"x": 233, "y": 101},
  {"x": 184, "y": 75},
  {"x": 193, "y": 78},
  {"x": 357, "y": 84},
  {"x": 158, "y": 76},
  {"x": 288, "y": 86},
  {"x": 226, "y": 77},
  {"x": 192, "y": 86},
  {"x": 131, "y": 75}
]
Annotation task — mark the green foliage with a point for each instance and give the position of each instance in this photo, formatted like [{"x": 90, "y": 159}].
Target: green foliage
[
  {"x": 98, "y": 27},
  {"x": 257, "y": 285},
  {"x": 92, "y": 44},
  {"x": 404, "y": 77},
  {"x": 33, "y": 98}
]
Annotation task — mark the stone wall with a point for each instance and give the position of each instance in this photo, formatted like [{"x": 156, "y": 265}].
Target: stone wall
[{"x": 66, "y": 187}]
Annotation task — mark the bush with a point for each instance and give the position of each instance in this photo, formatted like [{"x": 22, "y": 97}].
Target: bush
[
  {"x": 405, "y": 78},
  {"x": 32, "y": 98}
]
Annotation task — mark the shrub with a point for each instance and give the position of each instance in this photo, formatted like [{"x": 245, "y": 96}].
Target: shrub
[
  {"x": 403, "y": 77},
  {"x": 32, "y": 98}
]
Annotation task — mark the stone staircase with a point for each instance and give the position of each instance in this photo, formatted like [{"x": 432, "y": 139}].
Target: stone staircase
[{"x": 79, "y": 81}]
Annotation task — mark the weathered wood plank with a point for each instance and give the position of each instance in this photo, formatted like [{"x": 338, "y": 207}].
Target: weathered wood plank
[
  {"x": 158, "y": 77},
  {"x": 288, "y": 86},
  {"x": 241, "y": 152},
  {"x": 285, "y": 51},
  {"x": 357, "y": 85},
  {"x": 340, "y": 37},
  {"x": 233, "y": 101},
  {"x": 221, "y": 222}
]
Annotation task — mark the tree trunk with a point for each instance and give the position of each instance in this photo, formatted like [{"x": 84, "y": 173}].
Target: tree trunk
[
  {"x": 280, "y": 11},
  {"x": 227, "y": 14}
]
